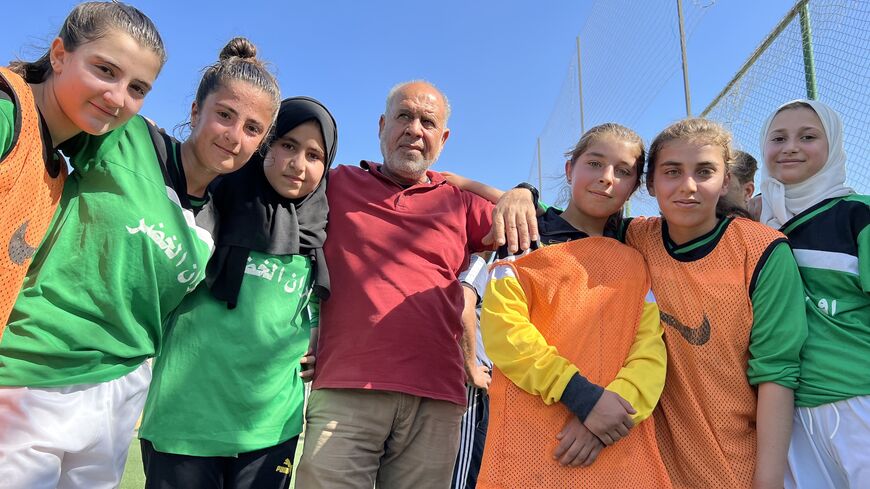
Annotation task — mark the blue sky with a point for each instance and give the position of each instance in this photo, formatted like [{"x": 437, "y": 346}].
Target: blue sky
[{"x": 501, "y": 63}]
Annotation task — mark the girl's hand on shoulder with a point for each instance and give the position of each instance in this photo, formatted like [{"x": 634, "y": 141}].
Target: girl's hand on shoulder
[{"x": 577, "y": 445}]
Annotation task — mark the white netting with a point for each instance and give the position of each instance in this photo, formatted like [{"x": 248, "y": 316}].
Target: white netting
[
  {"x": 621, "y": 80},
  {"x": 840, "y": 39}
]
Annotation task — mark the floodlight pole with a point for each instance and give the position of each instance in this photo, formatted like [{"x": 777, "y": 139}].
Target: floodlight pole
[{"x": 685, "y": 63}]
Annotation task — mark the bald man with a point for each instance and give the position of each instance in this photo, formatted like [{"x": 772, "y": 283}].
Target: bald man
[{"x": 389, "y": 388}]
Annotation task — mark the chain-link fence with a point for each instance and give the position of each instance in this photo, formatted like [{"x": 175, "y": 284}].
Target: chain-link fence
[
  {"x": 625, "y": 66},
  {"x": 829, "y": 55}
]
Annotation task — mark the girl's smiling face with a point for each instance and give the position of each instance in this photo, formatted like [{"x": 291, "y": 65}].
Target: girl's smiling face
[
  {"x": 796, "y": 146},
  {"x": 603, "y": 176},
  {"x": 102, "y": 83},
  {"x": 295, "y": 162},
  {"x": 229, "y": 126},
  {"x": 689, "y": 179}
]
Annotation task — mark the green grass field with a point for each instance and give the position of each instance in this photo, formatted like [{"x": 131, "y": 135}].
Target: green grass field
[{"x": 134, "y": 477}]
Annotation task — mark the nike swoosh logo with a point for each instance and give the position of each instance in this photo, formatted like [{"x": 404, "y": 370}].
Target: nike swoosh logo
[
  {"x": 695, "y": 336},
  {"x": 19, "y": 250}
]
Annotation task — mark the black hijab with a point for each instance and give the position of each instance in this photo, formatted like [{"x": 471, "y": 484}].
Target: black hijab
[{"x": 254, "y": 217}]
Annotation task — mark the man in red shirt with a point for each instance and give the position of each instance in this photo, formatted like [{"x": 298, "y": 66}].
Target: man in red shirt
[{"x": 389, "y": 389}]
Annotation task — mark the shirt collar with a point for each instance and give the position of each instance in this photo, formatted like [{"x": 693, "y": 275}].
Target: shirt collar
[
  {"x": 435, "y": 178},
  {"x": 697, "y": 248}
]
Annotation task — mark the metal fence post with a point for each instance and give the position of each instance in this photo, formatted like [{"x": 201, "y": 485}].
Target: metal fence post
[
  {"x": 580, "y": 85},
  {"x": 685, "y": 63},
  {"x": 540, "y": 173},
  {"x": 809, "y": 61}
]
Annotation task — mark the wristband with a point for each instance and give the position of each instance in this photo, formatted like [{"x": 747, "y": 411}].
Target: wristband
[{"x": 580, "y": 396}]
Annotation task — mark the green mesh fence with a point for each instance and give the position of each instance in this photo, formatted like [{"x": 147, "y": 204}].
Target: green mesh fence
[
  {"x": 626, "y": 66},
  {"x": 838, "y": 43}
]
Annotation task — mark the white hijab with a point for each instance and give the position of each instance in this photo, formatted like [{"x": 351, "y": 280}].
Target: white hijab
[{"x": 780, "y": 202}]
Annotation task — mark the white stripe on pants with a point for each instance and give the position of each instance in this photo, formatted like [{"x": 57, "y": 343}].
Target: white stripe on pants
[
  {"x": 69, "y": 437},
  {"x": 467, "y": 429},
  {"x": 830, "y": 446}
]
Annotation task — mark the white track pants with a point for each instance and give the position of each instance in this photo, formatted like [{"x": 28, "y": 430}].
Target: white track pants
[
  {"x": 830, "y": 446},
  {"x": 69, "y": 437}
]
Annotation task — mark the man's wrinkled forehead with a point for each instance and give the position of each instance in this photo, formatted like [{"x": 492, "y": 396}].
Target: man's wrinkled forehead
[
  {"x": 419, "y": 96},
  {"x": 421, "y": 102}
]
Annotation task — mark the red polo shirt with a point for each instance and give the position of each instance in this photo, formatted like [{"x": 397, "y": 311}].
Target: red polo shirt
[{"x": 393, "y": 319}]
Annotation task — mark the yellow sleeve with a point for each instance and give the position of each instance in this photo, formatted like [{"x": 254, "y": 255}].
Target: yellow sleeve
[
  {"x": 513, "y": 343},
  {"x": 641, "y": 379}
]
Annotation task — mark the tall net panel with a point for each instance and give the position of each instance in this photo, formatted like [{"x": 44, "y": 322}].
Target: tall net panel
[
  {"x": 620, "y": 79},
  {"x": 838, "y": 37},
  {"x": 629, "y": 64}
]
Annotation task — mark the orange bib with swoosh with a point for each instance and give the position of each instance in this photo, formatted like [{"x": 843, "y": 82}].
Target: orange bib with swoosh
[
  {"x": 28, "y": 193},
  {"x": 586, "y": 298},
  {"x": 705, "y": 421}
]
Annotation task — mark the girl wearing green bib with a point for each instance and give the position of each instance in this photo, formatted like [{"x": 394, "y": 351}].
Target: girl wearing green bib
[
  {"x": 225, "y": 406},
  {"x": 130, "y": 239}
]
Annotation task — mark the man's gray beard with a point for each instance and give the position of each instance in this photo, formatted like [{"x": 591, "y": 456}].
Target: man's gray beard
[{"x": 411, "y": 170}]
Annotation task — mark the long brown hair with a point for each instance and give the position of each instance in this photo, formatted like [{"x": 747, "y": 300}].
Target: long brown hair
[{"x": 88, "y": 22}]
